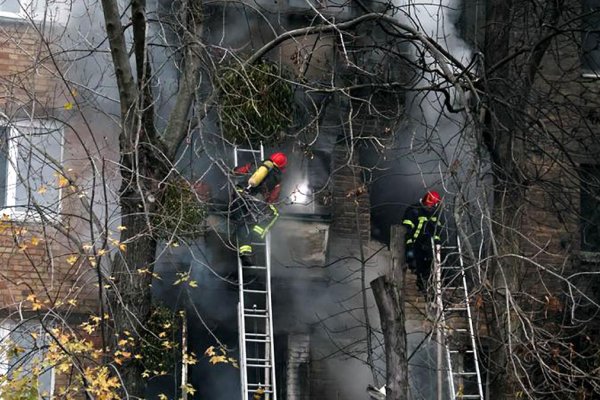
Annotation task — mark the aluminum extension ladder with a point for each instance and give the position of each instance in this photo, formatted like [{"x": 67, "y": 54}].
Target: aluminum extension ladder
[
  {"x": 255, "y": 317},
  {"x": 456, "y": 325}
]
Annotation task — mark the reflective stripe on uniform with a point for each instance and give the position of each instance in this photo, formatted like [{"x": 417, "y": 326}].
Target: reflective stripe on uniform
[
  {"x": 245, "y": 249},
  {"x": 258, "y": 229},
  {"x": 433, "y": 218},
  {"x": 436, "y": 237},
  {"x": 422, "y": 221},
  {"x": 410, "y": 241},
  {"x": 409, "y": 223}
]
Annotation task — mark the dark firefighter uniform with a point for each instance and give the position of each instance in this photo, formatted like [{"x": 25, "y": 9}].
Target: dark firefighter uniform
[
  {"x": 253, "y": 206},
  {"x": 422, "y": 222}
]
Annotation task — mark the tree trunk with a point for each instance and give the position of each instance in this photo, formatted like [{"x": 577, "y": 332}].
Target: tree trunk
[
  {"x": 389, "y": 296},
  {"x": 131, "y": 300}
]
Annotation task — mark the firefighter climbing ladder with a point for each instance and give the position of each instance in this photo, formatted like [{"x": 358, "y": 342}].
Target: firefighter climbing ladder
[
  {"x": 455, "y": 325},
  {"x": 255, "y": 317}
]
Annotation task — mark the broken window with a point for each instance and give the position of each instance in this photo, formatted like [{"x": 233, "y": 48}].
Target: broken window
[
  {"x": 590, "y": 58},
  {"x": 30, "y": 178},
  {"x": 590, "y": 207}
]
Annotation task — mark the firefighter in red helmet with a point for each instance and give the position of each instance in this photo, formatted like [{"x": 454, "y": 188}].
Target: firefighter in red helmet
[
  {"x": 422, "y": 222},
  {"x": 254, "y": 203}
]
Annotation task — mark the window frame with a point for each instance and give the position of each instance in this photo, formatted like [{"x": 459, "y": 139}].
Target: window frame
[
  {"x": 10, "y": 207},
  {"x": 7, "y": 326}
]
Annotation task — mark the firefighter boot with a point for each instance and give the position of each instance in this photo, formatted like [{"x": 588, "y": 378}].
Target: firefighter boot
[{"x": 246, "y": 255}]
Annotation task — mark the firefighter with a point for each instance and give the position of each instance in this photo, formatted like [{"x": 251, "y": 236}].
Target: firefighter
[
  {"x": 253, "y": 206},
  {"x": 422, "y": 222}
]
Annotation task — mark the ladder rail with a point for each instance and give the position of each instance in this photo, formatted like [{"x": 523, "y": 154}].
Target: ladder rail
[
  {"x": 242, "y": 333},
  {"x": 442, "y": 317},
  {"x": 470, "y": 320},
  {"x": 270, "y": 313},
  {"x": 463, "y": 292}
]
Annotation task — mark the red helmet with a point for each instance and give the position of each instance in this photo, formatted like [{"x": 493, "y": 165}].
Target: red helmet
[
  {"x": 279, "y": 159},
  {"x": 431, "y": 199}
]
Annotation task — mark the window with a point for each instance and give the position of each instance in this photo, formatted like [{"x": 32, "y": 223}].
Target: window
[
  {"x": 35, "y": 9},
  {"x": 590, "y": 207},
  {"x": 22, "y": 349},
  {"x": 590, "y": 43},
  {"x": 30, "y": 156}
]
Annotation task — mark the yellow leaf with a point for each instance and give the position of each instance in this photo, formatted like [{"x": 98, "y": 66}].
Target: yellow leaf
[
  {"x": 101, "y": 252},
  {"x": 122, "y": 342},
  {"x": 87, "y": 247},
  {"x": 72, "y": 302},
  {"x": 34, "y": 241},
  {"x": 88, "y": 328},
  {"x": 210, "y": 351},
  {"x": 31, "y": 297},
  {"x": 62, "y": 181},
  {"x": 189, "y": 389},
  {"x": 217, "y": 359},
  {"x": 35, "y": 306},
  {"x": 72, "y": 259},
  {"x": 121, "y": 228},
  {"x": 122, "y": 246},
  {"x": 68, "y": 105},
  {"x": 193, "y": 284},
  {"x": 162, "y": 396},
  {"x": 42, "y": 189}
]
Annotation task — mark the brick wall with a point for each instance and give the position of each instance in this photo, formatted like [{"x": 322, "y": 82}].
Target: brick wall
[
  {"x": 298, "y": 375},
  {"x": 350, "y": 203},
  {"x": 26, "y": 71}
]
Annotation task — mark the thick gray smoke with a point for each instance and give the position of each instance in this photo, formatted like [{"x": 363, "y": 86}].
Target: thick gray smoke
[{"x": 431, "y": 138}]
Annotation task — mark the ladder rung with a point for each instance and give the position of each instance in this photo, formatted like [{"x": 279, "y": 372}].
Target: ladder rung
[
  {"x": 253, "y": 267},
  {"x": 256, "y": 334},
  {"x": 254, "y": 291},
  {"x": 262, "y": 391},
  {"x": 259, "y": 385},
  {"x": 258, "y": 365},
  {"x": 468, "y": 396},
  {"x": 255, "y": 316},
  {"x": 258, "y": 359},
  {"x": 258, "y": 340},
  {"x": 465, "y": 373},
  {"x": 247, "y": 150},
  {"x": 254, "y": 310},
  {"x": 460, "y": 351},
  {"x": 259, "y": 244}
]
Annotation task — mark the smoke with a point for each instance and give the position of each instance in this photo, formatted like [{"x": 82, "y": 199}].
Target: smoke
[{"x": 430, "y": 140}]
